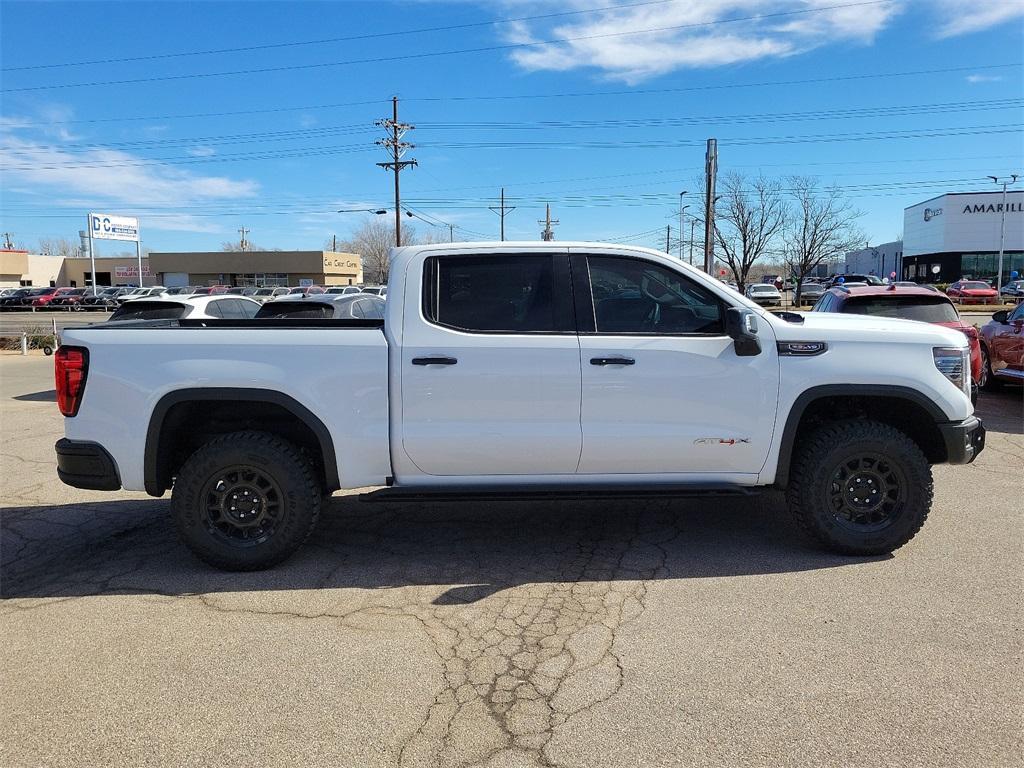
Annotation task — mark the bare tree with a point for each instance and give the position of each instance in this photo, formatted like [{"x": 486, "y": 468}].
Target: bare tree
[
  {"x": 58, "y": 246},
  {"x": 236, "y": 245},
  {"x": 821, "y": 226},
  {"x": 748, "y": 220},
  {"x": 373, "y": 241}
]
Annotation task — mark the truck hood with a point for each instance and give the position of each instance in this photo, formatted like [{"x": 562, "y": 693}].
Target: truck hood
[{"x": 835, "y": 326}]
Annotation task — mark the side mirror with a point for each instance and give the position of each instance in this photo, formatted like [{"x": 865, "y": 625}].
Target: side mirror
[
  {"x": 1001, "y": 316},
  {"x": 741, "y": 325}
]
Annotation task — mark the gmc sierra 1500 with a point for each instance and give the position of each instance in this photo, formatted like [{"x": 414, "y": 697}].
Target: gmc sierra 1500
[{"x": 519, "y": 368}]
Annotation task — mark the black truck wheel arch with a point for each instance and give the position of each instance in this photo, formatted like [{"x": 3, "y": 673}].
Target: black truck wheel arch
[
  {"x": 156, "y": 481},
  {"x": 855, "y": 393}
]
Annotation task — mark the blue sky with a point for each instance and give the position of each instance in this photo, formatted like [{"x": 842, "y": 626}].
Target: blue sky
[{"x": 608, "y": 124}]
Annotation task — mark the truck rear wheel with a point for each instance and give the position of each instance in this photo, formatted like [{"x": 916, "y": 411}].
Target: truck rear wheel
[
  {"x": 860, "y": 487},
  {"x": 245, "y": 501}
]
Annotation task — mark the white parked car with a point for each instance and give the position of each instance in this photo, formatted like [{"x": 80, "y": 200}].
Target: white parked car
[
  {"x": 222, "y": 306},
  {"x": 764, "y": 294},
  {"x": 511, "y": 369},
  {"x": 142, "y": 293}
]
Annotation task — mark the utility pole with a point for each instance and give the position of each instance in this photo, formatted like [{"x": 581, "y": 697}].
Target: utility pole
[
  {"x": 241, "y": 243},
  {"x": 451, "y": 233},
  {"x": 397, "y": 149},
  {"x": 1002, "y": 228},
  {"x": 682, "y": 209},
  {"x": 502, "y": 210},
  {"x": 548, "y": 233},
  {"x": 7, "y": 241},
  {"x": 711, "y": 172},
  {"x": 668, "y": 238},
  {"x": 334, "y": 243}
]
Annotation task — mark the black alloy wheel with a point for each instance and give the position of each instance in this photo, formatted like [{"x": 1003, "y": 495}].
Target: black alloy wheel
[{"x": 867, "y": 492}]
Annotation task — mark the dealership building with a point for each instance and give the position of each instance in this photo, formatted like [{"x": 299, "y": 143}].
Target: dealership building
[
  {"x": 256, "y": 268},
  {"x": 956, "y": 236}
]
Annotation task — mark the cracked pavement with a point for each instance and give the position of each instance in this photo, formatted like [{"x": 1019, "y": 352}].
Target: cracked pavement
[{"x": 614, "y": 633}]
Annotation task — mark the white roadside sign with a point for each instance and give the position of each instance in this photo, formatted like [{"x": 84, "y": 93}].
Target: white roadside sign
[{"x": 104, "y": 226}]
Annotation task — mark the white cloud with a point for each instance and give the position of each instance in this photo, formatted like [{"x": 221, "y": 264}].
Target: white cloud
[
  {"x": 201, "y": 151},
  {"x": 676, "y": 41},
  {"x": 983, "y": 78},
  {"x": 113, "y": 178},
  {"x": 960, "y": 18}
]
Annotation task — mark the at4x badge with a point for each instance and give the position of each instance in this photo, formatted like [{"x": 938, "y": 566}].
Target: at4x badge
[{"x": 721, "y": 440}]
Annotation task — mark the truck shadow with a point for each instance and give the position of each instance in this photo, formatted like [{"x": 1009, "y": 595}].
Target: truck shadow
[
  {"x": 463, "y": 551},
  {"x": 1002, "y": 410}
]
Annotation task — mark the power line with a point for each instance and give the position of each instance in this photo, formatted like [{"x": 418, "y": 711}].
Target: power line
[
  {"x": 354, "y": 129},
  {"x": 330, "y": 40},
  {"x": 973, "y": 130},
  {"x": 436, "y": 54},
  {"x": 516, "y": 97}
]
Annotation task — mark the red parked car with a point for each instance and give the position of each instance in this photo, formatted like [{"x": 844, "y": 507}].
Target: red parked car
[
  {"x": 44, "y": 298},
  {"x": 973, "y": 292},
  {"x": 70, "y": 299},
  {"x": 1002, "y": 348},
  {"x": 914, "y": 303}
]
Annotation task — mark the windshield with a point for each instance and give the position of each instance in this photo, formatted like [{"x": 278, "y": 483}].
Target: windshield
[
  {"x": 975, "y": 286},
  {"x": 763, "y": 289},
  {"x": 310, "y": 311},
  {"x": 922, "y": 308},
  {"x": 151, "y": 310}
]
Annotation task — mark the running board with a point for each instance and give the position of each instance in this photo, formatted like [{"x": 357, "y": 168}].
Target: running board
[{"x": 555, "y": 492}]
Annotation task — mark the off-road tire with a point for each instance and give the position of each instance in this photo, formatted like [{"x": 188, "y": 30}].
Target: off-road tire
[
  {"x": 814, "y": 495},
  {"x": 292, "y": 491},
  {"x": 991, "y": 383}
]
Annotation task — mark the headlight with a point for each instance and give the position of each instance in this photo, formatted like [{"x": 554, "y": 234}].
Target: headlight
[{"x": 955, "y": 364}]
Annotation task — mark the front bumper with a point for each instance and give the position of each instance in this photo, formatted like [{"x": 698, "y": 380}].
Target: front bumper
[
  {"x": 964, "y": 440},
  {"x": 86, "y": 465}
]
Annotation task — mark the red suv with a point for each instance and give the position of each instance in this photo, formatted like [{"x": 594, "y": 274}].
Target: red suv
[
  {"x": 1002, "y": 348},
  {"x": 973, "y": 292},
  {"x": 921, "y": 304}
]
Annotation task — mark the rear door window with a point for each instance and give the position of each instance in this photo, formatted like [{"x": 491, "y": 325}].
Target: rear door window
[{"x": 496, "y": 294}]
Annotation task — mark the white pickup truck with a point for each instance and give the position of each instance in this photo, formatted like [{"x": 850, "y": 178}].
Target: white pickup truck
[{"x": 518, "y": 369}]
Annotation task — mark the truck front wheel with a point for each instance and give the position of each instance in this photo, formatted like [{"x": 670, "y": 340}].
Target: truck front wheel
[
  {"x": 245, "y": 501},
  {"x": 860, "y": 487}
]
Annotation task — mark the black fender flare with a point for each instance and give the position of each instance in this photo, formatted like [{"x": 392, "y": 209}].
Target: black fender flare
[
  {"x": 808, "y": 396},
  {"x": 153, "y": 484}
]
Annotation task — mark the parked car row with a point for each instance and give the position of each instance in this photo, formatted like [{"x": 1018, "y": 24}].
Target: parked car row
[
  {"x": 230, "y": 306},
  {"x": 111, "y": 298}
]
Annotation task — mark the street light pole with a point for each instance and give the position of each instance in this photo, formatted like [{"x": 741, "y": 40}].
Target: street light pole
[
  {"x": 682, "y": 209},
  {"x": 1002, "y": 231}
]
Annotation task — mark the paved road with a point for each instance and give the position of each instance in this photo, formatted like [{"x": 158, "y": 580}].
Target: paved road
[
  {"x": 16, "y": 322},
  {"x": 508, "y": 634}
]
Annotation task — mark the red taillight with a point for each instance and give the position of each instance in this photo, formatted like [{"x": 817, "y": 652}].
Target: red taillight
[
  {"x": 969, "y": 331},
  {"x": 71, "y": 364}
]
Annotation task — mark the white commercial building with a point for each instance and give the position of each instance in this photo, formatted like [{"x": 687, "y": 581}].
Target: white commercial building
[
  {"x": 957, "y": 236},
  {"x": 881, "y": 260}
]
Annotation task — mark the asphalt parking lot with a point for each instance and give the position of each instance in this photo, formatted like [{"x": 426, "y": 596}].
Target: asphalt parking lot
[{"x": 687, "y": 633}]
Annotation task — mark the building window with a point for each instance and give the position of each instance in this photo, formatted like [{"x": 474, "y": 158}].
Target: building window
[{"x": 262, "y": 280}]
